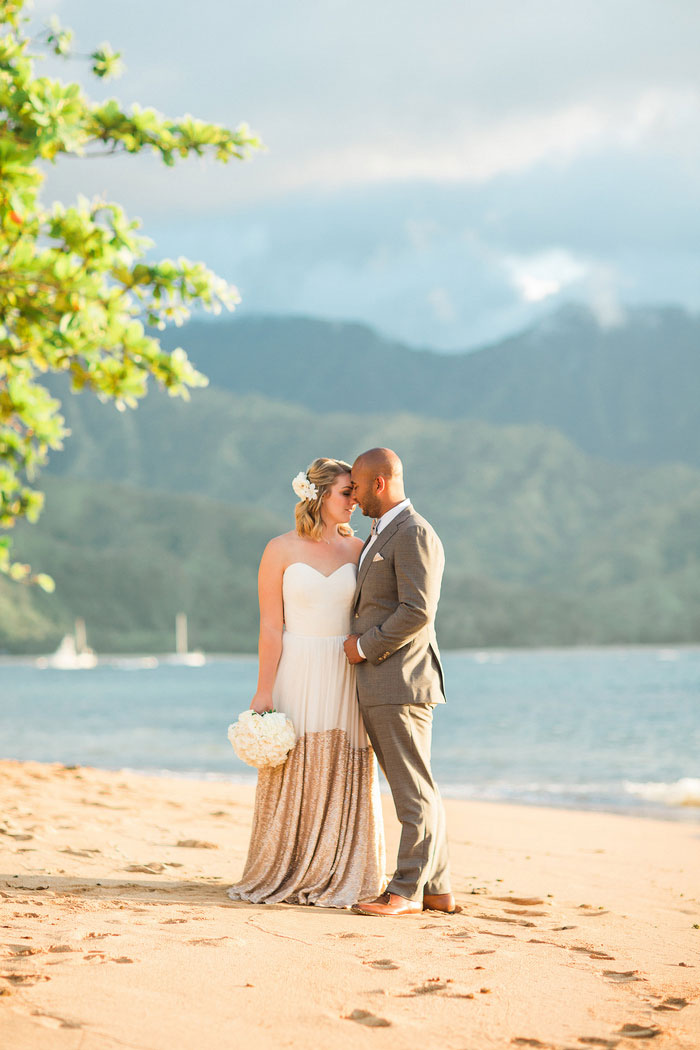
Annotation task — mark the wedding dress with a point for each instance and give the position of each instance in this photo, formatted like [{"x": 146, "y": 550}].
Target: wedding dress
[{"x": 317, "y": 835}]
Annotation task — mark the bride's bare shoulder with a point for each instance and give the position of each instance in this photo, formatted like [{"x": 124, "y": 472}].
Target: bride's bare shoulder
[
  {"x": 283, "y": 539},
  {"x": 281, "y": 543},
  {"x": 279, "y": 548}
]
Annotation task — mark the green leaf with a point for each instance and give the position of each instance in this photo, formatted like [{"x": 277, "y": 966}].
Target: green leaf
[{"x": 75, "y": 284}]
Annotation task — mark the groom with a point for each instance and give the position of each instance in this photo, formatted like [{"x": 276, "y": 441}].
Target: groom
[{"x": 399, "y": 677}]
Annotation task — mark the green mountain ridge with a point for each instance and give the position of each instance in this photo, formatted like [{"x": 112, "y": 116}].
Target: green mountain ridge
[
  {"x": 625, "y": 392},
  {"x": 169, "y": 508}
]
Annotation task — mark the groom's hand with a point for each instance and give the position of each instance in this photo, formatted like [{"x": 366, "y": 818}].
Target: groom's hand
[{"x": 350, "y": 646}]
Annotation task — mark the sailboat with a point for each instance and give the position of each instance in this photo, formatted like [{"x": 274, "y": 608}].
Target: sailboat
[
  {"x": 73, "y": 654},
  {"x": 182, "y": 657}
]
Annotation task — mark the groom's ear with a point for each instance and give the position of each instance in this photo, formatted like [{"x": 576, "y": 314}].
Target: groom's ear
[{"x": 380, "y": 483}]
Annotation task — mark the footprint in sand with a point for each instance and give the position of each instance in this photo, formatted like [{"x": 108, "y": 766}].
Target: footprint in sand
[
  {"x": 672, "y": 1004},
  {"x": 590, "y": 952},
  {"x": 637, "y": 1031},
  {"x": 24, "y": 978},
  {"x": 525, "y": 1041},
  {"x": 54, "y": 1021},
  {"x": 366, "y": 1018},
  {"x": 196, "y": 844},
  {"x": 171, "y": 922},
  {"x": 383, "y": 964},
  {"x": 522, "y": 901},
  {"x": 430, "y": 987},
  {"x": 121, "y": 959},
  {"x": 502, "y": 918},
  {"x": 153, "y": 868},
  {"x": 524, "y": 911},
  {"x": 622, "y": 976},
  {"x": 596, "y": 1040}
]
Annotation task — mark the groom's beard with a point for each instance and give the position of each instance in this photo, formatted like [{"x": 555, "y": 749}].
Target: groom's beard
[{"x": 371, "y": 509}]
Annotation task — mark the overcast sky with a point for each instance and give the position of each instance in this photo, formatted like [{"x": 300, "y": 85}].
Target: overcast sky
[{"x": 444, "y": 172}]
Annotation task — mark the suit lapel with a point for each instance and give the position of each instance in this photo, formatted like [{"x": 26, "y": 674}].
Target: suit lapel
[{"x": 383, "y": 537}]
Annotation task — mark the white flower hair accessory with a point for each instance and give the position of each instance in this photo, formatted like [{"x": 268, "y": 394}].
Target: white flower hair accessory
[{"x": 303, "y": 488}]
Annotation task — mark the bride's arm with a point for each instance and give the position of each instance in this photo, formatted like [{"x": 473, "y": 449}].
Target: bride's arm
[{"x": 271, "y": 622}]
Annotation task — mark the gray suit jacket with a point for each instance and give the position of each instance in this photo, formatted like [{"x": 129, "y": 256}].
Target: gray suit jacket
[{"x": 396, "y": 598}]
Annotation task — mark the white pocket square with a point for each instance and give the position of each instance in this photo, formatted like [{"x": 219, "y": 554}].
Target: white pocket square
[{"x": 377, "y": 557}]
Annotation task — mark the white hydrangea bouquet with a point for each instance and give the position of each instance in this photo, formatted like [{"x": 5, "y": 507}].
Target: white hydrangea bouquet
[{"x": 262, "y": 740}]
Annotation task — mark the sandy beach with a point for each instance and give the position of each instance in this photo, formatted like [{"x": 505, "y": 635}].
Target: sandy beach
[{"x": 577, "y": 929}]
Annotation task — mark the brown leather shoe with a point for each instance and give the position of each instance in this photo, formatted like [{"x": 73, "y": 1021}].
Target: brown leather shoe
[
  {"x": 389, "y": 904},
  {"x": 440, "y": 902}
]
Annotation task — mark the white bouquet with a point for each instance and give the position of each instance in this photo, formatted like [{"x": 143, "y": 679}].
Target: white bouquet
[{"x": 262, "y": 740}]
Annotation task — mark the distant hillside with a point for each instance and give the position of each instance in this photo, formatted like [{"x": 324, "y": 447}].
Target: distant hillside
[
  {"x": 169, "y": 507},
  {"x": 628, "y": 393},
  {"x": 128, "y": 561}
]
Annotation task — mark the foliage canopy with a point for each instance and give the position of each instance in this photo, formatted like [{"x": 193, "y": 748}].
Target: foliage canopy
[{"x": 75, "y": 283}]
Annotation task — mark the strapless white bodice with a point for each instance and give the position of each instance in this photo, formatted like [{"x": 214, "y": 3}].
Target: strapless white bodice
[{"x": 315, "y": 605}]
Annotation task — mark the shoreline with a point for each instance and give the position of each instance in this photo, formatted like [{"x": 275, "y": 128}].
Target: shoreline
[
  {"x": 684, "y": 813},
  {"x": 29, "y": 659},
  {"x": 578, "y": 928}
]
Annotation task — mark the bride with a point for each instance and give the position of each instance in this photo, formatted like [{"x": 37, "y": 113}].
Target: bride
[{"x": 317, "y": 835}]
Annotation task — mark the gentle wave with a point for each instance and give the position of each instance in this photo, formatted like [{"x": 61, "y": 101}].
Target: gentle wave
[{"x": 684, "y": 792}]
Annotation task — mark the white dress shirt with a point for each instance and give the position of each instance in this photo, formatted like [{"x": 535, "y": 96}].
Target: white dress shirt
[{"x": 381, "y": 524}]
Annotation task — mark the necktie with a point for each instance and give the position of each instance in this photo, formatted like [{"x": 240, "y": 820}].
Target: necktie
[{"x": 375, "y": 526}]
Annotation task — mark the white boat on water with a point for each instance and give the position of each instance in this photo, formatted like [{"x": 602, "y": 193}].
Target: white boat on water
[
  {"x": 182, "y": 657},
  {"x": 73, "y": 654}
]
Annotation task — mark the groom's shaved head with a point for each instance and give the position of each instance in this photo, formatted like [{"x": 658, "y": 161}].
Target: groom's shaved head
[
  {"x": 377, "y": 479},
  {"x": 382, "y": 462}
]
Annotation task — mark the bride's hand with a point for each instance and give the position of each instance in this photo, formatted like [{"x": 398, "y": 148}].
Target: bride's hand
[{"x": 261, "y": 703}]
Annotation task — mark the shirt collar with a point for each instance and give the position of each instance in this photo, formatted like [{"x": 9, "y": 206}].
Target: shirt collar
[{"x": 391, "y": 514}]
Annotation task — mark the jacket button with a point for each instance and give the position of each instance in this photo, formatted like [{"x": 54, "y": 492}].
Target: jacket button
[{"x": 357, "y": 616}]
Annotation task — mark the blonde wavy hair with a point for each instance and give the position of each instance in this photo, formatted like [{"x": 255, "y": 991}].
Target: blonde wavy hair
[{"x": 322, "y": 473}]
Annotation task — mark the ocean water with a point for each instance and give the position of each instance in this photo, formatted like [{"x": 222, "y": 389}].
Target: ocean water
[{"x": 608, "y": 729}]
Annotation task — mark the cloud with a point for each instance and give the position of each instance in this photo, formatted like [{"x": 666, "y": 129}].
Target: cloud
[
  {"x": 540, "y": 276},
  {"x": 443, "y": 307},
  {"x": 603, "y": 296},
  {"x": 445, "y": 173},
  {"x": 351, "y": 93}
]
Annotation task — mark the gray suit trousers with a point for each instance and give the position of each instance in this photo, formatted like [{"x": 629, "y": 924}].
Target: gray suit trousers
[{"x": 401, "y": 736}]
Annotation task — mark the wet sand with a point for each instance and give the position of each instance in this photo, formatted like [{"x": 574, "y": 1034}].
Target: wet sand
[{"x": 577, "y": 930}]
